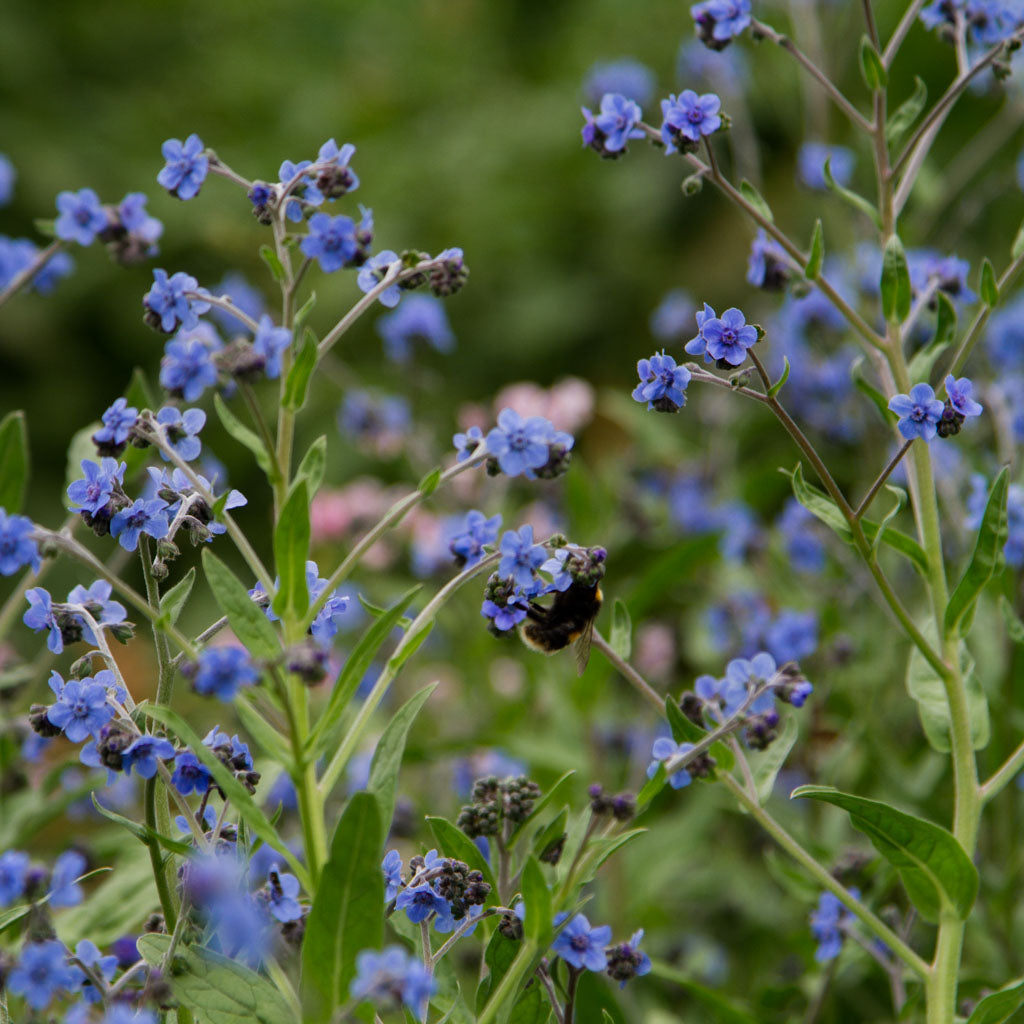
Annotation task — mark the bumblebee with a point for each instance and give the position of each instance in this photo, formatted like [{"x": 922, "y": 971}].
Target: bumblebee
[{"x": 568, "y": 620}]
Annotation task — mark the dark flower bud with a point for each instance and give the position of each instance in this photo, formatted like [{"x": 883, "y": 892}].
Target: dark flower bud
[
  {"x": 491, "y": 466},
  {"x": 520, "y": 796},
  {"x": 261, "y": 195},
  {"x": 559, "y": 458},
  {"x": 155, "y": 924},
  {"x": 700, "y": 767},
  {"x": 411, "y": 258},
  {"x": 511, "y": 927},
  {"x": 293, "y": 932},
  {"x": 249, "y": 779},
  {"x": 335, "y": 181},
  {"x": 693, "y": 708},
  {"x": 624, "y": 805},
  {"x": 113, "y": 741},
  {"x": 552, "y": 853},
  {"x": 760, "y": 733},
  {"x": 623, "y": 962},
  {"x": 109, "y": 447},
  {"x": 158, "y": 990},
  {"x": 122, "y": 632},
  {"x": 240, "y": 360},
  {"x": 664, "y": 404},
  {"x": 40, "y": 723},
  {"x": 479, "y": 821},
  {"x": 951, "y": 421},
  {"x": 308, "y": 661},
  {"x": 449, "y": 276}
]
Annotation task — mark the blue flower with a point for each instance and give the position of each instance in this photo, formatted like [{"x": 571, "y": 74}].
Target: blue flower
[
  {"x": 418, "y": 316},
  {"x": 378, "y": 421},
  {"x": 768, "y": 264},
  {"x": 144, "y": 753},
  {"x": 182, "y": 429},
  {"x": 792, "y": 636},
  {"x": 118, "y": 421},
  {"x": 242, "y": 295},
  {"x": 945, "y": 273},
  {"x": 186, "y": 167},
  {"x": 167, "y": 303},
  {"x": 8, "y": 175},
  {"x": 687, "y": 117},
  {"x": 662, "y": 383},
  {"x": 477, "y": 530},
  {"x": 221, "y": 671},
  {"x": 190, "y": 774},
  {"x": 420, "y": 901},
  {"x": 521, "y": 446},
  {"x": 140, "y": 517},
  {"x": 41, "y": 973},
  {"x": 336, "y": 178},
  {"x": 270, "y": 342},
  {"x": 393, "y": 976},
  {"x": 119, "y": 1013},
  {"x": 662, "y": 749},
  {"x": 67, "y": 869},
  {"x": 81, "y": 216},
  {"x": 626, "y": 76},
  {"x": 88, "y": 955},
  {"x": 372, "y": 272},
  {"x": 391, "y": 865},
  {"x": 728, "y": 337},
  {"x": 40, "y": 615},
  {"x": 508, "y": 615},
  {"x": 581, "y": 946},
  {"x": 188, "y": 367},
  {"x": 81, "y": 709},
  {"x": 959, "y": 394},
  {"x": 827, "y": 923},
  {"x": 811, "y": 160},
  {"x": 331, "y": 241},
  {"x": 520, "y": 557},
  {"x": 718, "y": 22},
  {"x": 131, "y": 211},
  {"x": 13, "y": 873},
  {"x": 92, "y": 493},
  {"x": 17, "y": 548},
  {"x": 697, "y": 346},
  {"x": 628, "y": 960},
  {"x": 282, "y": 889},
  {"x": 467, "y": 443},
  {"x": 612, "y": 128},
  {"x": 919, "y": 412},
  {"x": 209, "y": 819},
  {"x": 304, "y": 189}
]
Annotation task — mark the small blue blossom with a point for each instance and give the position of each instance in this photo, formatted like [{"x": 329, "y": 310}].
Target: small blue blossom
[
  {"x": 336, "y": 178},
  {"x": 190, "y": 774},
  {"x": 282, "y": 890},
  {"x": 176, "y": 487},
  {"x": 92, "y": 493},
  {"x": 728, "y": 337},
  {"x": 269, "y": 342},
  {"x": 167, "y": 303},
  {"x": 81, "y": 709},
  {"x": 718, "y": 22},
  {"x": 13, "y": 874},
  {"x": 792, "y": 636},
  {"x": 42, "y": 972},
  {"x": 419, "y": 902},
  {"x": 186, "y": 167},
  {"x": 506, "y": 616},
  {"x": 188, "y": 367},
  {"x": 243, "y": 296},
  {"x": 221, "y": 671},
  {"x": 380, "y": 422},
  {"x": 919, "y": 412},
  {"x": 525, "y": 446},
  {"x": 135, "y": 219},
  {"x": 304, "y": 191},
  {"x": 627, "y": 76},
  {"x": 670, "y": 318},
  {"x": 144, "y": 753},
  {"x": 209, "y": 819},
  {"x": 17, "y": 548},
  {"x": 614, "y": 126},
  {"x": 687, "y": 117},
  {"x": 140, "y": 517},
  {"x": 118, "y": 421},
  {"x": 8, "y": 176},
  {"x": 88, "y": 955},
  {"x": 811, "y": 160},
  {"x": 417, "y": 317},
  {"x": 373, "y": 271},
  {"x": 662, "y": 383},
  {"x": 81, "y": 216},
  {"x": 664, "y": 748},
  {"x": 477, "y": 530},
  {"x": 182, "y": 429},
  {"x": 520, "y": 557},
  {"x": 391, "y": 977},
  {"x": 331, "y": 241},
  {"x": 959, "y": 394},
  {"x": 581, "y": 946},
  {"x": 40, "y": 615},
  {"x": 697, "y": 345},
  {"x": 628, "y": 960},
  {"x": 768, "y": 264},
  {"x": 328, "y": 619},
  {"x": 392, "y": 868},
  {"x": 67, "y": 869},
  {"x": 948, "y": 274},
  {"x": 827, "y": 922},
  {"x": 467, "y": 443}
]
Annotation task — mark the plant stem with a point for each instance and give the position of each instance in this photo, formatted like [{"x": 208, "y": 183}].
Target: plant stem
[
  {"x": 882, "y": 477},
  {"x": 901, "y": 30},
  {"x": 23, "y": 277},
  {"x": 631, "y": 675}
]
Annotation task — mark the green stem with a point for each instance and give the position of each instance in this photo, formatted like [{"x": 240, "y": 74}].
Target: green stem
[
  {"x": 638, "y": 682},
  {"x": 160, "y": 872},
  {"x": 1004, "y": 775}
]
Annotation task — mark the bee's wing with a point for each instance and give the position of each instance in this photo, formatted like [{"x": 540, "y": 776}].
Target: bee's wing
[{"x": 581, "y": 647}]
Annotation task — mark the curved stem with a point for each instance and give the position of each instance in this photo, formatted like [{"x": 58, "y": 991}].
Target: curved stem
[
  {"x": 637, "y": 681},
  {"x": 25, "y": 276}
]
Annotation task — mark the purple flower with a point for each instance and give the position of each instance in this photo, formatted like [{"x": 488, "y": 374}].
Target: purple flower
[
  {"x": 118, "y": 421},
  {"x": 581, "y": 946},
  {"x": 81, "y": 709},
  {"x": 188, "y": 367},
  {"x": 81, "y": 216},
  {"x": 282, "y": 890},
  {"x": 959, "y": 394},
  {"x": 391, "y": 866},
  {"x": 17, "y": 548},
  {"x": 419, "y": 902},
  {"x": 92, "y": 493},
  {"x": 220, "y": 671},
  {"x": 131, "y": 211},
  {"x": 477, "y": 530},
  {"x": 811, "y": 160},
  {"x": 182, "y": 429},
  {"x": 269, "y": 342},
  {"x": 520, "y": 445},
  {"x": 520, "y": 557},
  {"x": 614, "y": 125},
  {"x": 687, "y": 117},
  {"x": 305, "y": 189},
  {"x": 13, "y": 872},
  {"x": 144, "y": 753},
  {"x": 140, "y": 517},
  {"x": 919, "y": 412},
  {"x": 662, "y": 383},
  {"x": 372, "y": 272},
  {"x": 40, "y": 615},
  {"x": 391, "y": 977},
  {"x": 418, "y": 317},
  {"x": 718, "y": 22},
  {"x": 698, "y": 346},
  {"x": 190, "y": 775},
  {"x": 467, "y": 443},
  {"x": 168, "y": 306},
  {"x": 186, "y": 167},
  {"x": 41, "y": 973},
  {"x": 67, "y": 869},
  {"x": 331, "y": 241},
  {"x": 768, "y": 264},
  {"x": 728, "y": 337},
  {"x": 336, "y": 178},
  {"x": 664, "y": 748}
]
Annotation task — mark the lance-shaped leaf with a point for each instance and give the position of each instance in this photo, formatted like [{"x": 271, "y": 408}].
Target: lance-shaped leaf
[
  {"x": 907, "y": 112},
  {"x": 241, "y": 433},
  {"x": 297, "y": 382},
  {"x": 291, "y": 549},
  {"x": 13, "y": 461},
  {"x": 858, "y": 202},
  {"x": 766, "y": 764},
  {"x": 817, "y": 254},
  {"x": 935, "y": 869},
  {"x": 895, "y": 283},
  {"x": 246, "y": 618},
  {"x": 621, "y": 637},
  {"x": 348, "y": 912},
  {"x": 314, "y": 464},
  {"x": 999, "y": 1006},
  {"x": 537, "y": 898},
  {"x": 756, "y": 200}
]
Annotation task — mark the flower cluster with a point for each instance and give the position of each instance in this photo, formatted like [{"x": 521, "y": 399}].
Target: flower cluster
[
  {"x": 922, "y": 415},
  {"x": 74, "y": 619},
  {"x": 615, "y": 124},
  {"x": 718, "y": 22},
  {"x": 439, "y": 889}
]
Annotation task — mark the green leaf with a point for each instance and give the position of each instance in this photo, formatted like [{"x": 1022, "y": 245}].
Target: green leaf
[
  {"x": 429, "y": 483},
  {"x": 291, "y": 549},
  {"x": 273, "y": 743},
  {"x": 602, "y": 849},
  {"x": 777, "y": 386},
  {"x": 937, "y": 873},
  {"x": 138, "y": 392},
  {"x": 901, "y": 500},
  {"x": 1014, "y": 626},
  {"x": 302, "y": 315},
  {"x": 989, "y": 288},
  {"x": 986, "y": 561},
  {"x": 999, "y": 1006},
  {"x": 174, "y": 599},
  {"x": 537, "y": 897},
  {"x": 314, "y": 464},
  {"x": 621, "y": 637},
  {"x": 554, "y": 830},
  {"x": 142, "y": 831},
  {"x": 9, "y": 918},
  {"x": 921, "y": 365},
  {"x": 296, "y": 384},
  {"x": 217, "y": 989},
  {"x": 863, "y": 385},
  {"x": 756, "y": 200},
  {"x": 927, "y": 689},
  {"x": 356, "y": 665},
  {"x": 871, "y": 66},
  {"x": 685, "y": 731},
  {"x": 454, "y": 843},
  {"x": 14, "y": 464},
  {"x": 348, "y": 912},
  {"x": 560, "y": 785},
  {"x": 387, "y": 758},
  {"x": 411, "y": 644},
  {"x": 246, "y": 618},
  {"x": 652, "y": 787},
  {"x": 498, "y": 957},
  {"x": 895, "y": 283},
  {"x": 856, "y": 201},
  {"x": 269, "y": 257},
  {"x": 243, "y": 435},
  {"x": 907, "y": 112},
  {"x": 766, "y": 764},
  {"x": 234, "y": 791},
  {"x": 817, "y": 255},
  {"x": 532, "y": 1007}
]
